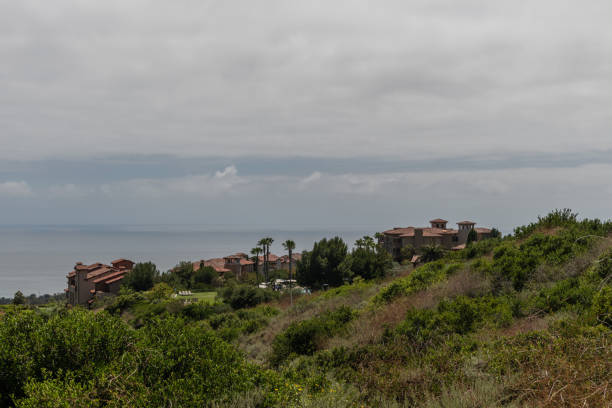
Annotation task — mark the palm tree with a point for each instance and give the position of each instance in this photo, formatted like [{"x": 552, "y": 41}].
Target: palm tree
[
  {"x": 289, "y": 246},
  {"x": 262, "y": 244},
  {"x": 265, "y": 244},
  {"x": 269, "y": 241},
  {"x": 255, "y": 252}
]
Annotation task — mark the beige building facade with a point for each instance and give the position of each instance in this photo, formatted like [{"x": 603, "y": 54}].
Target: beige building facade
[
  {"x": 437, "y": 233},
  {"x": 86, "y": 282}
]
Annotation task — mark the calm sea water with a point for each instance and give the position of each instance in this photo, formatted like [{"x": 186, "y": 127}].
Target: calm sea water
[{"x": 37, "y": 259}]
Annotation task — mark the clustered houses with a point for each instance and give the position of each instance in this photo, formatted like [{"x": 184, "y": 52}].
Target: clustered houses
[
  {"x": 280, "y": 262},
  {"x": 86, "y": 282},
  {"x": 438, "y": 234},
  {"x": 240, "y": 264}
]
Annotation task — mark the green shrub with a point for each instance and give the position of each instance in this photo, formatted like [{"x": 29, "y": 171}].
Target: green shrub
[
  {"x": 304, "y": 338},
  {"x": 31, "y": 345},
  {"x": 420, "y": 279},
  {"x": 126, "y": 299},
  {"x": 565, "y": 294},
  {"x": 458, "y": 316},
  {"x": 602, "y": 306},
  {"x": 604, "y": 265},
  {"x": 241, "y": 296}
]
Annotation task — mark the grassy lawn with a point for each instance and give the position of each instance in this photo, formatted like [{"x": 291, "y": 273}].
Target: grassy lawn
[{"x": 204, "y": 296}]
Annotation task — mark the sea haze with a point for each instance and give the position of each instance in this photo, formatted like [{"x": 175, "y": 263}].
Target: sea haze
[{"x": 36, "y": 259}]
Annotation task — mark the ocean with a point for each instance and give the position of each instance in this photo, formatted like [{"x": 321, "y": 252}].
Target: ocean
[{"x": 36, "y": 259}]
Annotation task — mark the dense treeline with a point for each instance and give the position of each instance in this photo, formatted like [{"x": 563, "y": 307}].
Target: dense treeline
[
  {"x": 33, "y": 299},
  {"x": 330, "y": 263}
]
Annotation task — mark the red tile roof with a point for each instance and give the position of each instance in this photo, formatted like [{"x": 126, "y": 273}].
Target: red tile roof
[
  {"x": 294, "y": 257},
  {"x": 109, "y": 276},
  {"x": 466, "y": 223},
  {"x": 218, "y": 264},
  {"x": 271, "y": 258},
  {"x": 118, "y": 278},
  {"x": 483, "y": 230},
  {"x": 439, "y": 221},
  {"x": 400, "y": 231},
  {"x": 100, "y": 271}
]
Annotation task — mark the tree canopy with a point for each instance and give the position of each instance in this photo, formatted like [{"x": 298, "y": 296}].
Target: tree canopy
[
  {"x": 369, "y": 260},
  {"x": 143, "y": 276},
  {"x": 325, "y": 264}
]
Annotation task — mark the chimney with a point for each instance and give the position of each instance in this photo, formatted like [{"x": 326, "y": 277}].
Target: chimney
[{"x": 418, "y": 237}]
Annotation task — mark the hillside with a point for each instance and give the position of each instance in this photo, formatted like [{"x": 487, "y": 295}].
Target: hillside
[{"x": 523, "y": 321}]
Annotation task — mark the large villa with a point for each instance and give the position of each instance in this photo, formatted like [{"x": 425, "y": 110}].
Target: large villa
[{"x": 437, "y": 234}]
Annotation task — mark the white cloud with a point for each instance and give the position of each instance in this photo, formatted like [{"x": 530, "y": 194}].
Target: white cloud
[
  {"x": 15, "y": 189},
  {"x": 221, "y": 183}
]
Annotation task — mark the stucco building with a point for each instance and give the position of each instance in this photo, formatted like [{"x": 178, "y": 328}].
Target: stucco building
[
  {"x": 86, "y": 282},
  {"x": 437, "y": 233},
  {"x": 239, "y": 264}
]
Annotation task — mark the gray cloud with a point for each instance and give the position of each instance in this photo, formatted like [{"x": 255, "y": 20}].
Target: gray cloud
[
  {"x": 324, "y": 79},
  {"x": 293, "y": 112},
  {"x": 500, "y": 197}
]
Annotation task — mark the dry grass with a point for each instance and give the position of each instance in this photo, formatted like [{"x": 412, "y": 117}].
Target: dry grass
[
  {"x": 572, "y": 372},
  {"x": 258, "y": 345},
  {"x": 370, "y": 325},
  {"x": 525, "y": 325},
  {"x": 578, "y": 265},
  {"x": 484, "y": 393}
]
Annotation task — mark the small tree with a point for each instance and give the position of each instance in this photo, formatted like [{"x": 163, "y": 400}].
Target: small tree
[{"x": 19, "y": 298}]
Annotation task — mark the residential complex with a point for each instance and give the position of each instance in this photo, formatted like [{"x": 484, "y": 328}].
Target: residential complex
[
  {"x": 438, "y": 233},
  {"x": 86, "y": 282},
  {"x": 240, "y": 264}
]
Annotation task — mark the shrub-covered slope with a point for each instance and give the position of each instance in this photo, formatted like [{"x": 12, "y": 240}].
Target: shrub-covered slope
[{"x": 521, "y": 321}]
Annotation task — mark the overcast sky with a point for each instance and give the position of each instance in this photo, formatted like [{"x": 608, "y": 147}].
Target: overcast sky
[{"x": 288, "y": 112}]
